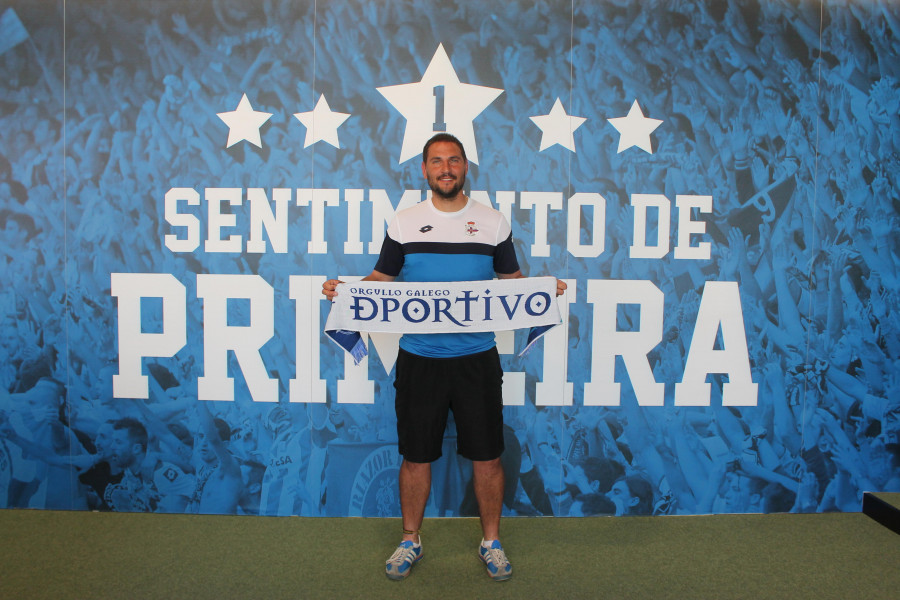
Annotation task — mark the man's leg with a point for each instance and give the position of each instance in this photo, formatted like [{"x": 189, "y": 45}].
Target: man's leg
[
  {"x": 415, "y": 486},
  {"x": 489, "y": 491},
  {"x": 489, "y": 483}
]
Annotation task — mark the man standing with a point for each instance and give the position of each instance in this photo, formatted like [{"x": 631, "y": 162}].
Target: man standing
[{"x": 448, "y": 238}]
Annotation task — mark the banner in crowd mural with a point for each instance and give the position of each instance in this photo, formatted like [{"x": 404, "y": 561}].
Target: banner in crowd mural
[{"x": 716, "y": 182}]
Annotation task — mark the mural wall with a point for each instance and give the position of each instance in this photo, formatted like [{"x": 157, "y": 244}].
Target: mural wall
[{"x": 716, "y": 181}]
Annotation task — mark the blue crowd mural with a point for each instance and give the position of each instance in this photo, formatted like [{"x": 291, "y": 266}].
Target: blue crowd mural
[{"x": 716, "y": 181}]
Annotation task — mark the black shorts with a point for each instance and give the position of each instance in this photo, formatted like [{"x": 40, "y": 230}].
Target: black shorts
[{"x": 428, "y": 388}]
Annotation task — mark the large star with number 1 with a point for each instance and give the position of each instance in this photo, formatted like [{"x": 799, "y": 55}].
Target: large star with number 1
[
  {"x": 558, "y": 127},
  {"x": 321, "y": 124},
  {"x": 439, "y": 102},
  {"x": 635, "y": 129},
  {"x": 244, "y": 123}
]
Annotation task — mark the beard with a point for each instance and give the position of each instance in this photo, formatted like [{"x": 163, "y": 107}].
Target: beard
[{"x": 449, "y": 194}]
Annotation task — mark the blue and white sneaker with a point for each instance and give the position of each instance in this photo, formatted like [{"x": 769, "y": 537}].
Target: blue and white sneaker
[
  {"x": 495, "y": 561},
  {"x": 398, "y": 566}
]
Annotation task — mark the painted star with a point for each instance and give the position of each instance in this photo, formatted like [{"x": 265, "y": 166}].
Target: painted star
[
  {"x": 322, "y": 124},
  {"x": 558, "y": 127},
  {"x": 439, "y": 102},
  {"x": 635, "y": 129},
  {"x": 244, "y": 123}
]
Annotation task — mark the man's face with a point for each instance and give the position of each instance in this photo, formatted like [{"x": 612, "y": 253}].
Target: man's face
[
  {"x": 102, "y": 440},
  {"x": 121, "y": 449},
  {"x": 621, "y": 497},
  {"x": 14, "y": 233},
  {"x": 445, "y": 169},
  {"x": 735, "y": 492},
  {"x": 207, "y": 454}
]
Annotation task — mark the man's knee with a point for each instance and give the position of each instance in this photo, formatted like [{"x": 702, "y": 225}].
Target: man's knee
[
  {"x": 487, "y": 467},
  {"x": 415, "y": 467}
]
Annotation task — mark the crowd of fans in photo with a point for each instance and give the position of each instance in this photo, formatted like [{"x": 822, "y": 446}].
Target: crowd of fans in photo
[{"x": 789, "y": 118}]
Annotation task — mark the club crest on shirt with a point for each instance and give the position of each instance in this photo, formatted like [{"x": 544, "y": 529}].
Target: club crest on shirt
[{"x": 470, "y": 228}]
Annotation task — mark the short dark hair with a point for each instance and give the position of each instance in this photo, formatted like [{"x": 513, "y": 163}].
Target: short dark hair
[
  {"x": 223, "y": 429},
  {"x": 25, "y": 221},
  {"x": 443, "y": 137},
  {"x": 137, "y": 433},
  {"x": 640, "y": 488},
  {"x": 595, "y": 504},
  {"x": 602, "y": 470}
]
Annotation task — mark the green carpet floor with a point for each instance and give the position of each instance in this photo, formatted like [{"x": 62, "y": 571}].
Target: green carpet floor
[{"x": 61, "y": 555}]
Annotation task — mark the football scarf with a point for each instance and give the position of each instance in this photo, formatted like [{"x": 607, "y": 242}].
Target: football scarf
[{"x": 451, "y": 307}]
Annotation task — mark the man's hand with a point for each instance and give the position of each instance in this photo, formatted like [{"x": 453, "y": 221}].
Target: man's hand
[
  {"x": 560, "y": 287},
  {"x": 328, "y": 288}
]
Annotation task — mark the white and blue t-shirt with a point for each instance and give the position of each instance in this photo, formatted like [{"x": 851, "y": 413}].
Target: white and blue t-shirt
[{"x": 426, "y": 244}]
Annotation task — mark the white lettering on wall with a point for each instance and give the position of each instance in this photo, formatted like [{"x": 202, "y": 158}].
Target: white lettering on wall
[
  {"x": 134, "y": 344},
  {"x": 245, "y": 340}
]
